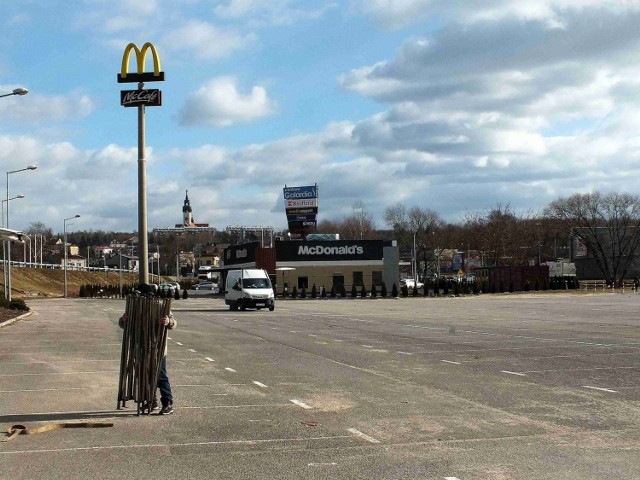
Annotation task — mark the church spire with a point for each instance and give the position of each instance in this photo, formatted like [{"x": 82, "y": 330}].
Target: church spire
[{"x": 187, "y": 217}]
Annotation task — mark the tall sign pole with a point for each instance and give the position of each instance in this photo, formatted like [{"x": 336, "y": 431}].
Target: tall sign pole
[{"x": 141, "y": 98}]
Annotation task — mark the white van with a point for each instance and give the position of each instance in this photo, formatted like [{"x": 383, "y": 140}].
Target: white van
[{"x": 248, "y": 288}]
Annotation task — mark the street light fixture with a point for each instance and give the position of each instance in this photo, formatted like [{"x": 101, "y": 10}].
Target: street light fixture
[
  {"x": 8, "y": 260},
  {"x": 65, "y": 251},
  {"x": 16, "y": 91},
  {"x": 4, "y": 250}
]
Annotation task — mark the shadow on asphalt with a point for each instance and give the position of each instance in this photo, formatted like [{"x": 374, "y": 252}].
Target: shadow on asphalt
[{"x": 56, "y": 417}]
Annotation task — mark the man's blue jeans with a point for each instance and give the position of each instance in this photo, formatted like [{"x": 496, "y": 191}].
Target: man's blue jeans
[{"x": 163, "y": 383}]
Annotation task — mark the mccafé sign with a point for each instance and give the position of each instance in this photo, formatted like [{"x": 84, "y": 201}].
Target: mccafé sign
[
  {"x": 142, "y": 97},
  {"x": 135, "y": 98}
]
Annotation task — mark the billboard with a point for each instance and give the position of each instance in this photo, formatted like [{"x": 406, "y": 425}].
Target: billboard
[{"x": 301, "y": 208}]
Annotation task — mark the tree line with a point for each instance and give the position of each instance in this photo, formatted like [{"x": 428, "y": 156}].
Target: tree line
[{"x": 606, "y": 225}]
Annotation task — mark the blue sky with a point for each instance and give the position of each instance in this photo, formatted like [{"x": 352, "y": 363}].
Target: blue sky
[{"x": 454, "y": 106}]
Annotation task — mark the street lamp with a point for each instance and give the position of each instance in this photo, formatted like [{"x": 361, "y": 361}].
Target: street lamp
[
  {"x": 65, "y": 251},
  {"x": 4, "y": 250},
  {"x": 16, "y": 91},
  {"x": 8, "y": 269}
]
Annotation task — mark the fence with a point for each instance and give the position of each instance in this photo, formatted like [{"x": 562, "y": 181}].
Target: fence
[{"x": 601, "y": 285}]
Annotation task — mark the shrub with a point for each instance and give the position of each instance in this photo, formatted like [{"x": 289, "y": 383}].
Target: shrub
[
  {"x": 394, "y": 290},
  {"x": 314, "y": 291},
  {"x": 294, "y": 292},
  {"x": 415, "y": 291},
  {"x": 185, "y": 295},
  {"x": 354, "y": 291},
  {"x": 383, "y": 291},
  {"x": 363, "y": 292},
  {"x": 323, "y": 293},
  {"x": 14, "y": 304},
  {"x": 333, "y": 291},
  {"x": 176, "y": 294},
  {"x": 303, "y": 293},
  {"x": 374, "y": 292},
  {"x": 343, "y": 291}
]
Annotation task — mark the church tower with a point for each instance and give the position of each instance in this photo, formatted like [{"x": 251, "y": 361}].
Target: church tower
[{"x": 187, "y": 217}]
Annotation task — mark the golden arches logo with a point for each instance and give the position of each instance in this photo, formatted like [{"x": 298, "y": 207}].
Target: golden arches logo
[{"x": 141, "y": 55}]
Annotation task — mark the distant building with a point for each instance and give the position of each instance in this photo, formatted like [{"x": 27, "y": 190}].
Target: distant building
[{"x": 187, "y": 215}]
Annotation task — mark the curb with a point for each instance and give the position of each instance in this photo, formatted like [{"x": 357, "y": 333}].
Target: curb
[{"x": 9, "y": 322}]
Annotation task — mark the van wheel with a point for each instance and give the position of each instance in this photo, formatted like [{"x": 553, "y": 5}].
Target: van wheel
[
  {"x": 271, "y": 308},
  {"x": 233, "y": 307},
  {"x": 243, "y": 306}
]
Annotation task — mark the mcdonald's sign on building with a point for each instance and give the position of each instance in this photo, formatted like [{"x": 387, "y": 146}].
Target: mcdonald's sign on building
[{"x": 141, "y": 55}]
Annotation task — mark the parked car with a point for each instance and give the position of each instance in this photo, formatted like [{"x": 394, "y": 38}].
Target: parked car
[
  {"x": 410, "y": 283},
  {"x": 207, "y": 286},
  {"x": 168, "y": 288}
]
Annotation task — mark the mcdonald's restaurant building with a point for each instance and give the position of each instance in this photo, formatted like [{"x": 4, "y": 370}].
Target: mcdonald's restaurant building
[{"x": 323, "y": 263}]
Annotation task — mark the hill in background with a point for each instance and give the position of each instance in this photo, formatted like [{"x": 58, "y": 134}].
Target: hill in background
[{"x": 38, "y": 282}]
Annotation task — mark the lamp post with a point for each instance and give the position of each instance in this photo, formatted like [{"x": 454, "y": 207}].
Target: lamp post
[
  {"x": 65, "y": 251},
  {"x": 8, "y": 269},
  {"x": 4, "y": 250},
  {"x": 16, "y": 91}
]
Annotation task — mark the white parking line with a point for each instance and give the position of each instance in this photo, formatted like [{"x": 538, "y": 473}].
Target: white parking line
[
  {"x": 260, "y": 384},
  {"x": 404, "y": 353},
  {"x": 449, "y": 361},
  {"x": 301, "y": 404},
  {"x": 178, "y": 343},
  {"x": 192, "y": 350},
  {"x": 327, "y": 464},
  {"x": 164, "y": 446},
  {"x": 209, "y": 359},
  {"x": 451, "y": 478},
  {"x": 364, "y": 436},
  {"x": 601, "y": 389},
  {"x": 513, "y": 373},
  {"x": 228, "y": 369}
]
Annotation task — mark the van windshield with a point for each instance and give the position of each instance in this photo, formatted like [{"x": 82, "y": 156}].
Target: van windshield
[{"x": 255, "y": 283}]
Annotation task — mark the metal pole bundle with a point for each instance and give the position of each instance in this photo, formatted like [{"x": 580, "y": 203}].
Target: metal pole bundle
[{"x": 143, "y": 344}]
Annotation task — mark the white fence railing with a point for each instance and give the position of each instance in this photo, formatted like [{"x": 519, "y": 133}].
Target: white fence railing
[{"x": 70, "y": 267}]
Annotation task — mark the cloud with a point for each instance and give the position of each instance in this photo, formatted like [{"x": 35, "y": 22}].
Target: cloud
[
  {"x": 219, "y": 103},
  {"x": 396, "y": 14},
  {"x": 39, "y": 109},
  {"x": 207, "y": 41},
  {"x": 273, "y": 12}
]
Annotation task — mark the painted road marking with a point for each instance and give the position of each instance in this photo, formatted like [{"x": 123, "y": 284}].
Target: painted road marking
[
  {"x": 327, "y": 464},
  {"x": 513, "y": 373},
  {"x": 364, "y": 436},
  {"x": 164, "y": 446},
  {"x": 228, "y": 369},
  {"x": 192, "y": 350},
  {"x": 260, "y": 384},
  {"x": 451, "y": 478},
  {"x": 301, "y": 404},
  {"x": 178, "y": 343},
  {"x": 601, "y": 389},
  {"x": 404, "y": 353},
  {"x": 209, "y": 359},
  {"x": 449, "y": 361}
]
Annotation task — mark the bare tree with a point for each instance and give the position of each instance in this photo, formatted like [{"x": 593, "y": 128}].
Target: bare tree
[
  {"x": 607, "y": 224},
  {"x": 358, "y": 226},
  {"x": 502, "y": 237}
]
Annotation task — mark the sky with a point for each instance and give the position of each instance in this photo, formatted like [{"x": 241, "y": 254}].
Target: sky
[{"x": 453, "y": 106}]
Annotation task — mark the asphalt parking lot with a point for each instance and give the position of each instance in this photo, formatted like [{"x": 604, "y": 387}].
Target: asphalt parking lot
[{"x": 492, "y": 387}]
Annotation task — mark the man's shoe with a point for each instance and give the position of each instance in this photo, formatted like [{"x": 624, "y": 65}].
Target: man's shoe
[{"x": 167, "y": 409}]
